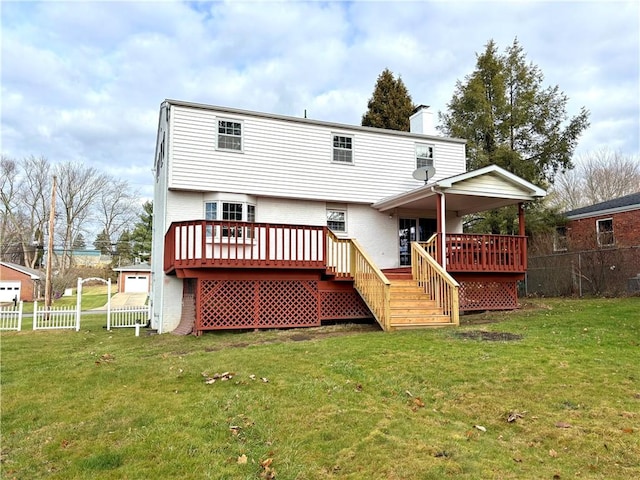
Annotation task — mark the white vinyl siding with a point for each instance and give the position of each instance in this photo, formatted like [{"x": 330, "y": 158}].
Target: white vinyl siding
[
  {"x": 291, "y": 159},
  {"x": 489, "y": 185}
]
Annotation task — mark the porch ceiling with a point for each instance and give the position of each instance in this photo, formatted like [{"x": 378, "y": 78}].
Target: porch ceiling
[{"x": 477, "y": 191}]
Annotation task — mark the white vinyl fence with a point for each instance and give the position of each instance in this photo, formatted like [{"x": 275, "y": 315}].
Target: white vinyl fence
[
  {"x": 11, "y": 318},
  {"x": 128, "y": 316},
  {"x": 55, "y": 317}
]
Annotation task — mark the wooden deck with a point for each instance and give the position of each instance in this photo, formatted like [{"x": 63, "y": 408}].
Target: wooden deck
[{"x": 253, "y": 275}]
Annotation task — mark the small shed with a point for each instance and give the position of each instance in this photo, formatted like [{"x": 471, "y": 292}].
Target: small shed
[
  {"x": 18, "y": 282},
  {"x": 134, "y": 278}
]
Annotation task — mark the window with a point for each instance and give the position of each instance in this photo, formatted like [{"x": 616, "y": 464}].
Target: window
[
  {"x": 337, "y": 220},
  {"x": 604, "y": 230},
  {"x": 229, "y": 211},
  {"x": 424, "y": 156},
  {"x": 342, "y": 149},
  {"x": 560, "y": 239},
  {"x": 229, "y": 135}
]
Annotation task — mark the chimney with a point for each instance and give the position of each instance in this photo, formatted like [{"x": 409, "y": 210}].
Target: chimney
[{"x": 421, "y": 121}]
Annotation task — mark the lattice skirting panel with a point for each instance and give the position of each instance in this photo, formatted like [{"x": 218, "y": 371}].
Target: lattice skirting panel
[
  {"x": 339, "y": 305},
  {"x": 488, "y": 295},
  {"x": 238, "y": 304}
]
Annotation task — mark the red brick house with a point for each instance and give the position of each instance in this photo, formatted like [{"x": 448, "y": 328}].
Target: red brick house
[
  {"x": 18, "y": 282},
  {"x": 614, "y": 223}
]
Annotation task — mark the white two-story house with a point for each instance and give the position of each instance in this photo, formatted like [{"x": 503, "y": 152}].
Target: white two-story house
[{"x": 267, "y": 221}]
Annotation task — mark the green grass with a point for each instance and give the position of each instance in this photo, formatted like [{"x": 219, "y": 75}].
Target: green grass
[{"x": 341, "y": 402}]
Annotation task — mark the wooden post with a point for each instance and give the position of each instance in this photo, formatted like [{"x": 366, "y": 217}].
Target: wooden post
[
  {"x": 441, "y": 221},
  {"x": 52, "y": 219}
]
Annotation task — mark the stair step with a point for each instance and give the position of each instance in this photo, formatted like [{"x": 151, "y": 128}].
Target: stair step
[{"x": 412, "y": 326}]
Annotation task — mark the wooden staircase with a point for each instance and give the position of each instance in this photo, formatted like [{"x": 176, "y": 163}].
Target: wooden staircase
[{"x": 410, "y": 307}]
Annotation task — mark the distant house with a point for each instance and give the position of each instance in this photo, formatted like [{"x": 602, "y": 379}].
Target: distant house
[
  {"x": 614, "y": 223},
  {"x": 18, "y": 282},
  {"x": 134, "y": 278},
  {"x": 83, "y": 258}
]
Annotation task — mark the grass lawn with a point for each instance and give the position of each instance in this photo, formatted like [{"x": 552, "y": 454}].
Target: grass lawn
[{"x": 548, "y": 392}]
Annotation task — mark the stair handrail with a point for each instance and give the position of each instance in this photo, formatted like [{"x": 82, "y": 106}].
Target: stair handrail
[
  {"x": 372, "y": 285},
  {"x": 435, "y": 282},
  {"x": 431, "y": 246}
]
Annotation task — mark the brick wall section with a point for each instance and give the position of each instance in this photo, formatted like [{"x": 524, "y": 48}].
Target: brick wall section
[
  {"x": 581, "y": 233},
  {"x": 26, "y": 288}
]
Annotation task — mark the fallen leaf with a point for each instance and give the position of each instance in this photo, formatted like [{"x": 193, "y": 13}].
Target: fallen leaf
[
  {"x": 513, "y": 416},
  {"x": 408, "y": 393},
  {"x": 265, "y": 380},
  {"x": 627, "y": 430},
  {"x": 627, "y": 414},
  {"x": 266, "y": 463},
  {"x": 242, "y": 459},
  {"x": 563, "y": 425},
  {"x": 553, "y": 453},
  {"x": 417, "y": 402},
  {"x": 480, "y": 427},
  {"x": 252, "y": 377}
]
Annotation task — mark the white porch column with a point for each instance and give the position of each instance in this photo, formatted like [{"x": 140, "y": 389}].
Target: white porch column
[{"x": 442, "y": 228}]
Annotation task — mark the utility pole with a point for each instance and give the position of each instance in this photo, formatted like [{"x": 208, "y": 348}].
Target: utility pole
[{"x": 52, "y": 218}]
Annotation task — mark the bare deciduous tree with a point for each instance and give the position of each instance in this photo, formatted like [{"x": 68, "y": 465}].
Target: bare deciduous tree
[
  {"x": 599, "y": 176},
  {"x": 78, "y": 188},
  {"x": 116, "y": 209}
]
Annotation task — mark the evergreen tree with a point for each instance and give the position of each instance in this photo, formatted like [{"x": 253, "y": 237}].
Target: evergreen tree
[
  {"x": 142, "y": 233},
  {"x": 509, "y": 119},
  {"x": 390, "y": 106},
  {"x": 79, "y": 243},
  {"x": 103, "y": 243},
  {"x": 123, "y": 252}
]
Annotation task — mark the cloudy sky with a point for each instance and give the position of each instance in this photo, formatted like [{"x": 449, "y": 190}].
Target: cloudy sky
[{"x": 83, "y": 80}]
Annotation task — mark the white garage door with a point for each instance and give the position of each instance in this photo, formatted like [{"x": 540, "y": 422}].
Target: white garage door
[
  {"x": 9, "y": 290},
  {"x": 136, "y": 284}
]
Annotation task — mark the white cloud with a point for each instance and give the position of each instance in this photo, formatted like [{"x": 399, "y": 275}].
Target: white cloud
[{"x": 83, "y": 81}]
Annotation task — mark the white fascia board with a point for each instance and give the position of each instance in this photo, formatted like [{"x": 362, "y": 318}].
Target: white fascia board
[
  {"x": 502, "y": 196},
  {"x": 401, "y": 199}
]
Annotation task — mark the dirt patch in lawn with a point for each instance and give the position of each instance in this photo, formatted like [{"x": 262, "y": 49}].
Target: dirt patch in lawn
[
  {"x": 488, "y": 336},
  {"x": 295, "y": 335}
]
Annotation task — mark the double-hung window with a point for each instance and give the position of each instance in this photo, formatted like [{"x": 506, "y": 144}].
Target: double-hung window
[
  {"x": 342, "y": 149},
  {"x": 424, "y": 155},
  {"x": 560, "y": 239},
  {"x": 229, "y": 135},
  {"x": 337, "y": 220},
  {"x": 604, "y": 231}
]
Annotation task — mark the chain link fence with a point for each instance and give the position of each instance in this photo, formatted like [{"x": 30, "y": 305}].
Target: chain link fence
[{"x": 610, "y": 272}]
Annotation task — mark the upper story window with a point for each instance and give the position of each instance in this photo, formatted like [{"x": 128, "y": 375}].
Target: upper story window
[
  {"x": 604, "y": 232},
  {"x": 424, "y": 156},
  {"x": 560, "y": 239},
  {"x": 342, "y": 149},
  {"x": 230, "y": 135},
  {"x": 337, "y": 220}
]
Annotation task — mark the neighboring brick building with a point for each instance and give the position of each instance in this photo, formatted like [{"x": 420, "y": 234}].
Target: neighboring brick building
[
  {"x": 614, "y": 223},
  {"x": 18, "y": 282},
  {"x": 597, "y": 251}
]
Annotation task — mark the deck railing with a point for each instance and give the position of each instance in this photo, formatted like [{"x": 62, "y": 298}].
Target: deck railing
[
  {"x": 435, "y": 282},
  {"x": 481, "y": 253},
  {"x": 372, "y": 284},
  {"x": 338, "y": 255},
  {"x": 205, "y": 243}
]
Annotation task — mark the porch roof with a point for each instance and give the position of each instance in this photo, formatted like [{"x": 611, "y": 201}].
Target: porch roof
[{"x": 470, "y": 192}]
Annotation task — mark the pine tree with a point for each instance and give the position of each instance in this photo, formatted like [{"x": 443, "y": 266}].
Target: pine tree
[
  {"x": 390, "y": 106},
  {"x": 142, "y": 233},
  {"x": 509, "y": 119}
]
